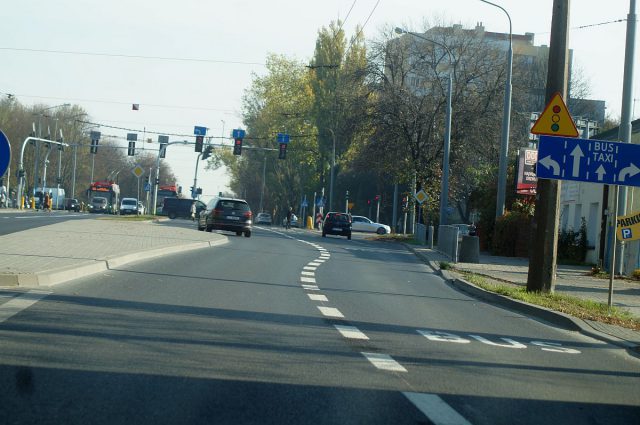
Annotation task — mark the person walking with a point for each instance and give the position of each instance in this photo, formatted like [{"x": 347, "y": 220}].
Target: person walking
[
  {"x": 193, "y": 211},
  {"x": 289, "y": 214},
  {"x": 45, "y": 202}
]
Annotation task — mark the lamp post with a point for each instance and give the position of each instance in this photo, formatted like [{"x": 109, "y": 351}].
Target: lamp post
[
  {"x": 333, "y": 166},
  {"x": 35, "y": 166},
  {"x": 444, "y": 188},
  {"x": 506, "y": 119}
]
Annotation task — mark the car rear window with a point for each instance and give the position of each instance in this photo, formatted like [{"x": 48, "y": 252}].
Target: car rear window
[
  {"x": 129, "y": 202},
  {"x": 339, "y": 217},
  {"x": 233, "y": 205}
]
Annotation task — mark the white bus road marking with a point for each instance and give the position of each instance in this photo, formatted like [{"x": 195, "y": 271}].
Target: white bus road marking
[
  {"x": 307, "y": 273},
  {"x": 434, "y": 408},
  {"x": 317, "y": 297},
  {"x": 330, "y": 311},
  {"x": 310, "y": 287},
  {"x": 351, "y": 332},
  {"x": 384, "y": 362},
  {"x": 19, "y": 303},
  {"x": 307, "y": 279}
]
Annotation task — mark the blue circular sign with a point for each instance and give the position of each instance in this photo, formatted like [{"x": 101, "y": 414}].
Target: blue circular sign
[{"x": 5, "y": 153}]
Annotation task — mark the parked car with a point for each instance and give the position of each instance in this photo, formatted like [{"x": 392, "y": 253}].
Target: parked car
[
  {"x": 337, "y": 223},
  {"x": 141, "y": 208},
  {"x": 363, "y": 224},
  {"x": 263, "y": 218},
  {"x": 181, "y": 207},
  {"x": 128, "y": 206},
  {"x": 233, "y": 215},
  {"x": 72, "y": 204},
  {"x": 99, "y": 204}
]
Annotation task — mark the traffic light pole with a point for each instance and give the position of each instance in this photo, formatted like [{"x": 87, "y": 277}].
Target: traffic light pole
[{"x": 544, "y": 248}]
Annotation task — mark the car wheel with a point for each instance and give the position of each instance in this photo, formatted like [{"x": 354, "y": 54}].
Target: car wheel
[
  {"x": 172, "y": 215},
  {"x": 209, "y": 229},
  {"x": 349, "y": 236},
  {"x": 238, "y": 233},
  {"x": 247, "y": 234},
  {"x": 324, "y": 235},
  {"x": 381, "y": 231}
]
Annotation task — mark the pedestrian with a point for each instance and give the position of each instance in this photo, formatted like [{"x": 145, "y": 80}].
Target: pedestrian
[
  {"x": 289, "y": 214},
  {"x": 45, "y": 202},
  {"x": 3, "y": 200},
  {"x": 193, "y": 211}
]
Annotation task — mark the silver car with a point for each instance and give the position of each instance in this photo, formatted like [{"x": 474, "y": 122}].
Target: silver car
[{"x": 363, "y": 224}]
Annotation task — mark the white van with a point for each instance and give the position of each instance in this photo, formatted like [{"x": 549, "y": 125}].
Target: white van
[
  {"x": 128, "y": 206},
  {"x": 57, "y": 197}
]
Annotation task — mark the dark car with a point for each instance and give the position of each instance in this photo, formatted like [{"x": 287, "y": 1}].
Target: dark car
[
  {"x": 181, "y": 208},
  {"x": 233, "y": 215},
  {"x": 337, "y": 223},
  {"x": 72, "y": 204}
]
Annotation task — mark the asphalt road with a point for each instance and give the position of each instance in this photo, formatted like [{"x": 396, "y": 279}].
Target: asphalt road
[
  {"x": 289, "y": 327},
  {"x": 12, "y": 222}
]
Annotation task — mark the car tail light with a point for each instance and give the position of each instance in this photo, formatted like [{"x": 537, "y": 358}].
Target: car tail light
[
  {"x": 248, "y": 214},
  {"x": 217, "y": 212}
]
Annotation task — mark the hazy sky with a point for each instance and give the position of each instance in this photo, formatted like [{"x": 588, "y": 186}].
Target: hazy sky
[{"x": 229, "y": 41}]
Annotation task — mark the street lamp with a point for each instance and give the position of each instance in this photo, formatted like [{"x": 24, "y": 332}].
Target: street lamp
[
  {"x": 37, "y": 158},
  {"x": 444, "y": 188},
  {"x": 506, "y": 118}
]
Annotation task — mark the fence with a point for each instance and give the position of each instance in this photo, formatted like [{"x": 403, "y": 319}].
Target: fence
[{"x": 448, "y": 242}]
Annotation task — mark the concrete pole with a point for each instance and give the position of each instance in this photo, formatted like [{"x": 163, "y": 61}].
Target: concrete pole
[
  {"x": 624, "y": 132},
  {"x": 542, "y": 261},
  {"x": 264, "y": 174},
  {"x": 394, "y": 215}
]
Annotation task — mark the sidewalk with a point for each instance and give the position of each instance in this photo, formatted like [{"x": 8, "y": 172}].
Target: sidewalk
[
  {"x": 571, "y": 280},
  {"x": 67, "y": 250}
]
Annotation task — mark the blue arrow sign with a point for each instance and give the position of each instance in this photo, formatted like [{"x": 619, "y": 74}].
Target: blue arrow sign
[
  {"x": 283, "y": 138},
  {"x": 199, "y": 131},
  {"x": 5, "y": 153},
  {"x": 588, "y": 160},
  {"x": 238, "y": 133}
]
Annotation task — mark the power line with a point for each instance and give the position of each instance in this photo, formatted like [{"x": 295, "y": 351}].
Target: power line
[
  {"x": 120, "y": 55},
  {"x": 115, "y": 102},
  {"x": 581, "y": 27}
]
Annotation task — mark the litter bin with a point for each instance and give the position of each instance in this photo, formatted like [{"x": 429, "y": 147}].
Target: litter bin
[{"x": 469, "y": 250}]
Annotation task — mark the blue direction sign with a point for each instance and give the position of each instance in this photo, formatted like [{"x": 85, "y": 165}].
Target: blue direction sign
[
  {"x": 199, "y": 131},
  {"x": 283, "y": 138},
  {"x": 5, "y": 153},
  {"x": 588, "y": 160},
  {"x": 238, "y": 133}
]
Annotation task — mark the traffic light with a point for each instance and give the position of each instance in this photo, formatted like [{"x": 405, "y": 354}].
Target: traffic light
[
  {"x": 132, "y": 148},
  {"x": 237, "y": 147},
  {"x": 377, "y": 198},
  {"x": 207, "y": 152},
  {"x": 61, "y": 141},
  {"x": 95, "y": 138},
  {"x": 283, "y": 151},
  {"x": 199, "y": 143},
  {"x": 368, "y": 201}
]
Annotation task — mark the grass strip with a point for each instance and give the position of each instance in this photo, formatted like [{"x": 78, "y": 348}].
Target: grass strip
[{"x": 577, "y": 307}]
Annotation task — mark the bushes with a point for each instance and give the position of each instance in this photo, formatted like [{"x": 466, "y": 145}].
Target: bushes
[
  {"x": 572, "y": 245},
  {"x": 512, "y": 234}
]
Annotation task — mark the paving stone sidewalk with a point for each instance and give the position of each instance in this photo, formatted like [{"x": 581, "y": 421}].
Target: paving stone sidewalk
[{"x": 27, "y": 257}]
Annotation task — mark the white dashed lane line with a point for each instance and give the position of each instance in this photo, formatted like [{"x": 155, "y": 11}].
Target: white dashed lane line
[
  {"x": 330, "y": 311},
  {"x": 311, "y": 287},
  {"x": 434, "y": 408},
  {"x": 19, "y": 303},
  {"x": 318, "y": 297},
  {"x": 306, "y": 273},
  {"x": 384, "y": 362},
  {"x": 351, "y": 332},
  {"x": 309, "y": 268},
  {"x": 307, "y": 279}
]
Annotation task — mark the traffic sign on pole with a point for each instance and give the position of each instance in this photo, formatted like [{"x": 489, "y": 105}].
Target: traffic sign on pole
[
  {"x": 199, "y": 131},
  {"x": 5, "y": 153},
  {"x": 589, "y": 160},
  {"x": 555, "y": 120}
]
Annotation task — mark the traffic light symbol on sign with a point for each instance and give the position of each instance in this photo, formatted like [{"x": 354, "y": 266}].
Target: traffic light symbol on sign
[
  {"x": 237, "y": 147},
  {"x": 282, "y": 154},
  {"x": 199, "y": 143},
  {"x": 555, "y": 120}
]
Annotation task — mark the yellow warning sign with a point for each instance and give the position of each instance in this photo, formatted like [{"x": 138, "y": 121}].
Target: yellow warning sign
[
  {"x": 628, "y": 227},
  {"x": 555, "y": 120}
]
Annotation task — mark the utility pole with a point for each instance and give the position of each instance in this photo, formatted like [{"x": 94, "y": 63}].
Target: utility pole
[{"x": 542, "y": 260}]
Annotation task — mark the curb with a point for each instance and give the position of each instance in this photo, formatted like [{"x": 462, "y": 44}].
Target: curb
[
  {"x": 90, "y": 267},
  {"x": 546, "y": 315}
]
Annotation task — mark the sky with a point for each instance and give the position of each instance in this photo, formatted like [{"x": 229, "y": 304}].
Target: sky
[{"x": 187, "y": 63}]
